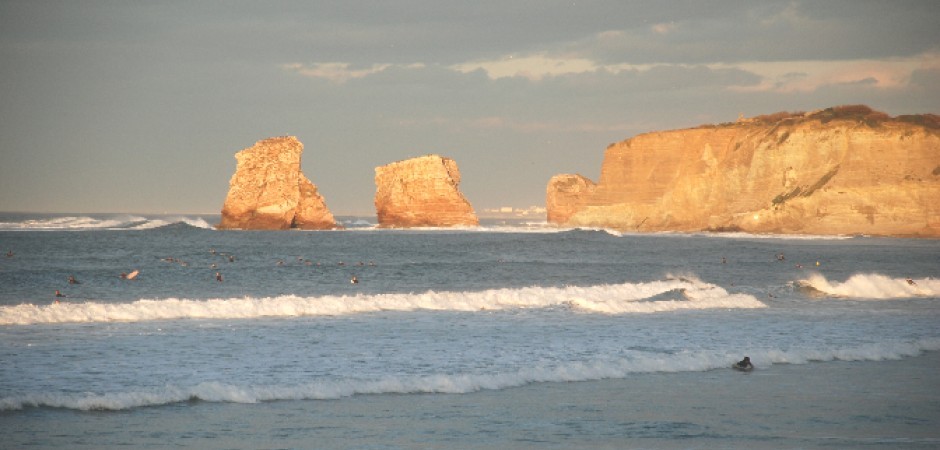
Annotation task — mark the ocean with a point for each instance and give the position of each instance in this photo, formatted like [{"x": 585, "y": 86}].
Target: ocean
[{"x": 514, "y": 334}]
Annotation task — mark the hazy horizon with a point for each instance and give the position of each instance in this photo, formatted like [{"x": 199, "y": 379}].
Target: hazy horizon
[{"x": 139, "y": 107}]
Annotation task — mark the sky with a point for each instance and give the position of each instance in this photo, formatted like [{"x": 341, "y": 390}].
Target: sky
[{"x": 140, "y": 106}]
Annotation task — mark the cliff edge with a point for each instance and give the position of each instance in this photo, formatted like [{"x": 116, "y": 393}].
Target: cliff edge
[
  {"x": 842, "y": 170},
  {"x": 421, "y": 192},
  {"x": 269, "y": 192}
]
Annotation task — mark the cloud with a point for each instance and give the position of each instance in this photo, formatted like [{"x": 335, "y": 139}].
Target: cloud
[
  {"x": 533, "y": 67},
  {"x": 341, "y": 72},
  {"x": 504, "y": 123},
  {"x": 778, "y": 76},
  {"x": 663, "y": 28}
]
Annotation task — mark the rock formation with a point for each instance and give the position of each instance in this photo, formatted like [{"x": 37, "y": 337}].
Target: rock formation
[
  {"x": 842, "y": 170},
  {"x": 269, "y": 192},
  {"x": 421, "y": 192}
]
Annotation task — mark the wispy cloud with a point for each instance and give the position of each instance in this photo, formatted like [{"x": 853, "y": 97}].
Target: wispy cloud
[
  {"x": 491, "y": 123},
  {"x": 767, "y": 76},
  {"x": 809, "y": 76},
  {"x": 663, "y": 28},
  {"x": 340, "y": 72},
  {"x": 533, "y": 67}
]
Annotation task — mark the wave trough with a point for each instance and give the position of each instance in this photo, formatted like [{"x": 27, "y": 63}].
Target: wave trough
[{"x": 575, "y": 371}]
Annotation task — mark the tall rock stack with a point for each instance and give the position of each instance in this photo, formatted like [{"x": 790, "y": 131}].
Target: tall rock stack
[
  {"x": 842, "y": 170},
  {"x": 421, "y": 192},
  {"x": 269, "y": 192}
]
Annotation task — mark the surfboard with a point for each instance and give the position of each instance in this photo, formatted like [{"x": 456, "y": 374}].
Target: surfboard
[
  {"x": 742, "y": 369},
  {"x": 133, "y": 275}
]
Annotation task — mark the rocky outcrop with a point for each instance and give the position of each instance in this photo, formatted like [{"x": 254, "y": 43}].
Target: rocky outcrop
[
  {"x": 421, "y": 192},
  {"x": 269, "y": 192},
  {"x": 565, "y": 196},
  {"x": 843, "y": 170}
]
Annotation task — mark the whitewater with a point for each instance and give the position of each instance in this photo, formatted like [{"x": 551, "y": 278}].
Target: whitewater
[{"x": 513, "y": 334}]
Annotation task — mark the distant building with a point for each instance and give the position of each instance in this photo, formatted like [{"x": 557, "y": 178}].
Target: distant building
[{"x": 510, "y": 211}]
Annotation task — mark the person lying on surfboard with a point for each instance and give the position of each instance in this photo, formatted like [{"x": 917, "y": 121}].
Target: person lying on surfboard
[{"x": 744, "y": 364}]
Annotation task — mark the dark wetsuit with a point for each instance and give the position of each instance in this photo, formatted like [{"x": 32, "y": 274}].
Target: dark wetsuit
[{"x": 744, "y": 364}]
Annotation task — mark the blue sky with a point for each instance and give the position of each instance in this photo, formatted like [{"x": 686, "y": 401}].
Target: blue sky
[{"x": 140, "y": 106}]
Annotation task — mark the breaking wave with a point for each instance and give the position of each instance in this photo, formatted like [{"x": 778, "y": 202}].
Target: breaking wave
[
  {"x": 671, "y": 294},
  {"x": 873, "y": 286},
  {"x": 333, "y": 388},
  {"x": 116, "y": 222}
]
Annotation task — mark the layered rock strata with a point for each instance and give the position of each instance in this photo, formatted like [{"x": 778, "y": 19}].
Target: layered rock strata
[
  {"x": 269, "y": 192},
  {"x": 421, "y": 192},
  {"x": 843, "y": 170}
]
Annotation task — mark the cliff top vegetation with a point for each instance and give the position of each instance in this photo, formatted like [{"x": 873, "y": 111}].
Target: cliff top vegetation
[{"x": 857, "y": 113}]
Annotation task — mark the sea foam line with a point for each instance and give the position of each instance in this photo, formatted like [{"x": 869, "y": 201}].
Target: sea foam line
[
  {"x": 873, "y": 286},
  {"x": 574, "y": 371},
  {"x": 657, "y": 296},
  {"x": 85, "y": 223}
]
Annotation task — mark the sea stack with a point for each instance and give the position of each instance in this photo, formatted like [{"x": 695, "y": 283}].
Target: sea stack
[
  {"x": 269, "y": 192},
  {"x": 840, "y": 171},
  {"x": 421, "y": 192}
]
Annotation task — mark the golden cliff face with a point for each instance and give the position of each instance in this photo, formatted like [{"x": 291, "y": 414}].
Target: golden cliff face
[
  {"x": 269, "y": 192},
  {"x": 421, "y": 192},
  {"x": 836, "y": 171}
]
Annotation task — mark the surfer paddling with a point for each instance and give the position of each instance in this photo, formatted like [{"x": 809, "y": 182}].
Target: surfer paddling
[
  {"x": 130, "y": 276},
  {"x": 744, "y": 365}
]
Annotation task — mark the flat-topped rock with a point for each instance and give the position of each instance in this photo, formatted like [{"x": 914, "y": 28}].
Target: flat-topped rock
[
  {"x": 421, "y": 192},
  {"x": 842, "y": 170}
]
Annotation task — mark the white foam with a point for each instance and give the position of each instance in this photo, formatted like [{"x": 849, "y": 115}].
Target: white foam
[
  {"x": 874, "y": 286},
  {"x": 681, "y": 293},
  {"x": 328, "y": 389},
  {"x": 80, "y": 223},
  {"x": 72, "y": 223},
  {"x": 802, "y": 237},
  {"x": 197, "y": 222}
]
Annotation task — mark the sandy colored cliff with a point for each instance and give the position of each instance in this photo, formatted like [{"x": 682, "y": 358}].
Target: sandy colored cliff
[
  {"x": 269, "y": 192},
  {"x": 421, "y": 192},
  {"x": 843, "y": 170}
]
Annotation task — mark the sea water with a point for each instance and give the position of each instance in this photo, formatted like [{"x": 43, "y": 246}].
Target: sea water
[{"x": 514, "y": 334}]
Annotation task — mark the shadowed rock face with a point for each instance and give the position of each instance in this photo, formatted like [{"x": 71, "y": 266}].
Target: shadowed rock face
[
  {"x": 268, "y": 191},
  {"x": 421, "y": 192},
  {"x": 827, "y": 172}
]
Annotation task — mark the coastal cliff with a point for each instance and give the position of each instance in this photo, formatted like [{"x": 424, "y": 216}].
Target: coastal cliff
[
  {"x": 842, "y": 170},
  {"x": 269, "y": 192},
  {"x": 421, "y": 192}
]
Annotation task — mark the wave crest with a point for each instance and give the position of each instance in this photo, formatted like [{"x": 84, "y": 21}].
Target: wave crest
[
  {"x": 117, "y": 222},
  {"x": 658, "y": 296},
  {"x": 873, "y": 286}
]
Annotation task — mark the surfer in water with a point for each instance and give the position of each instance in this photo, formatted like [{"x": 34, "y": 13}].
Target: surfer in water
[
  {"x": 218, "y": 277},
  {"x": 72, "y": 280},
  {"x": 744, "y": 364}
]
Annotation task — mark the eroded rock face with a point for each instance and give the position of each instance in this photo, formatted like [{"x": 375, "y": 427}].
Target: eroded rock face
[
  {"x": 827, "y": 172},
  {"x": 268, "y": 191},
  {"x": 566, "y": 195},
  {"x": 421, "y": 192}
]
